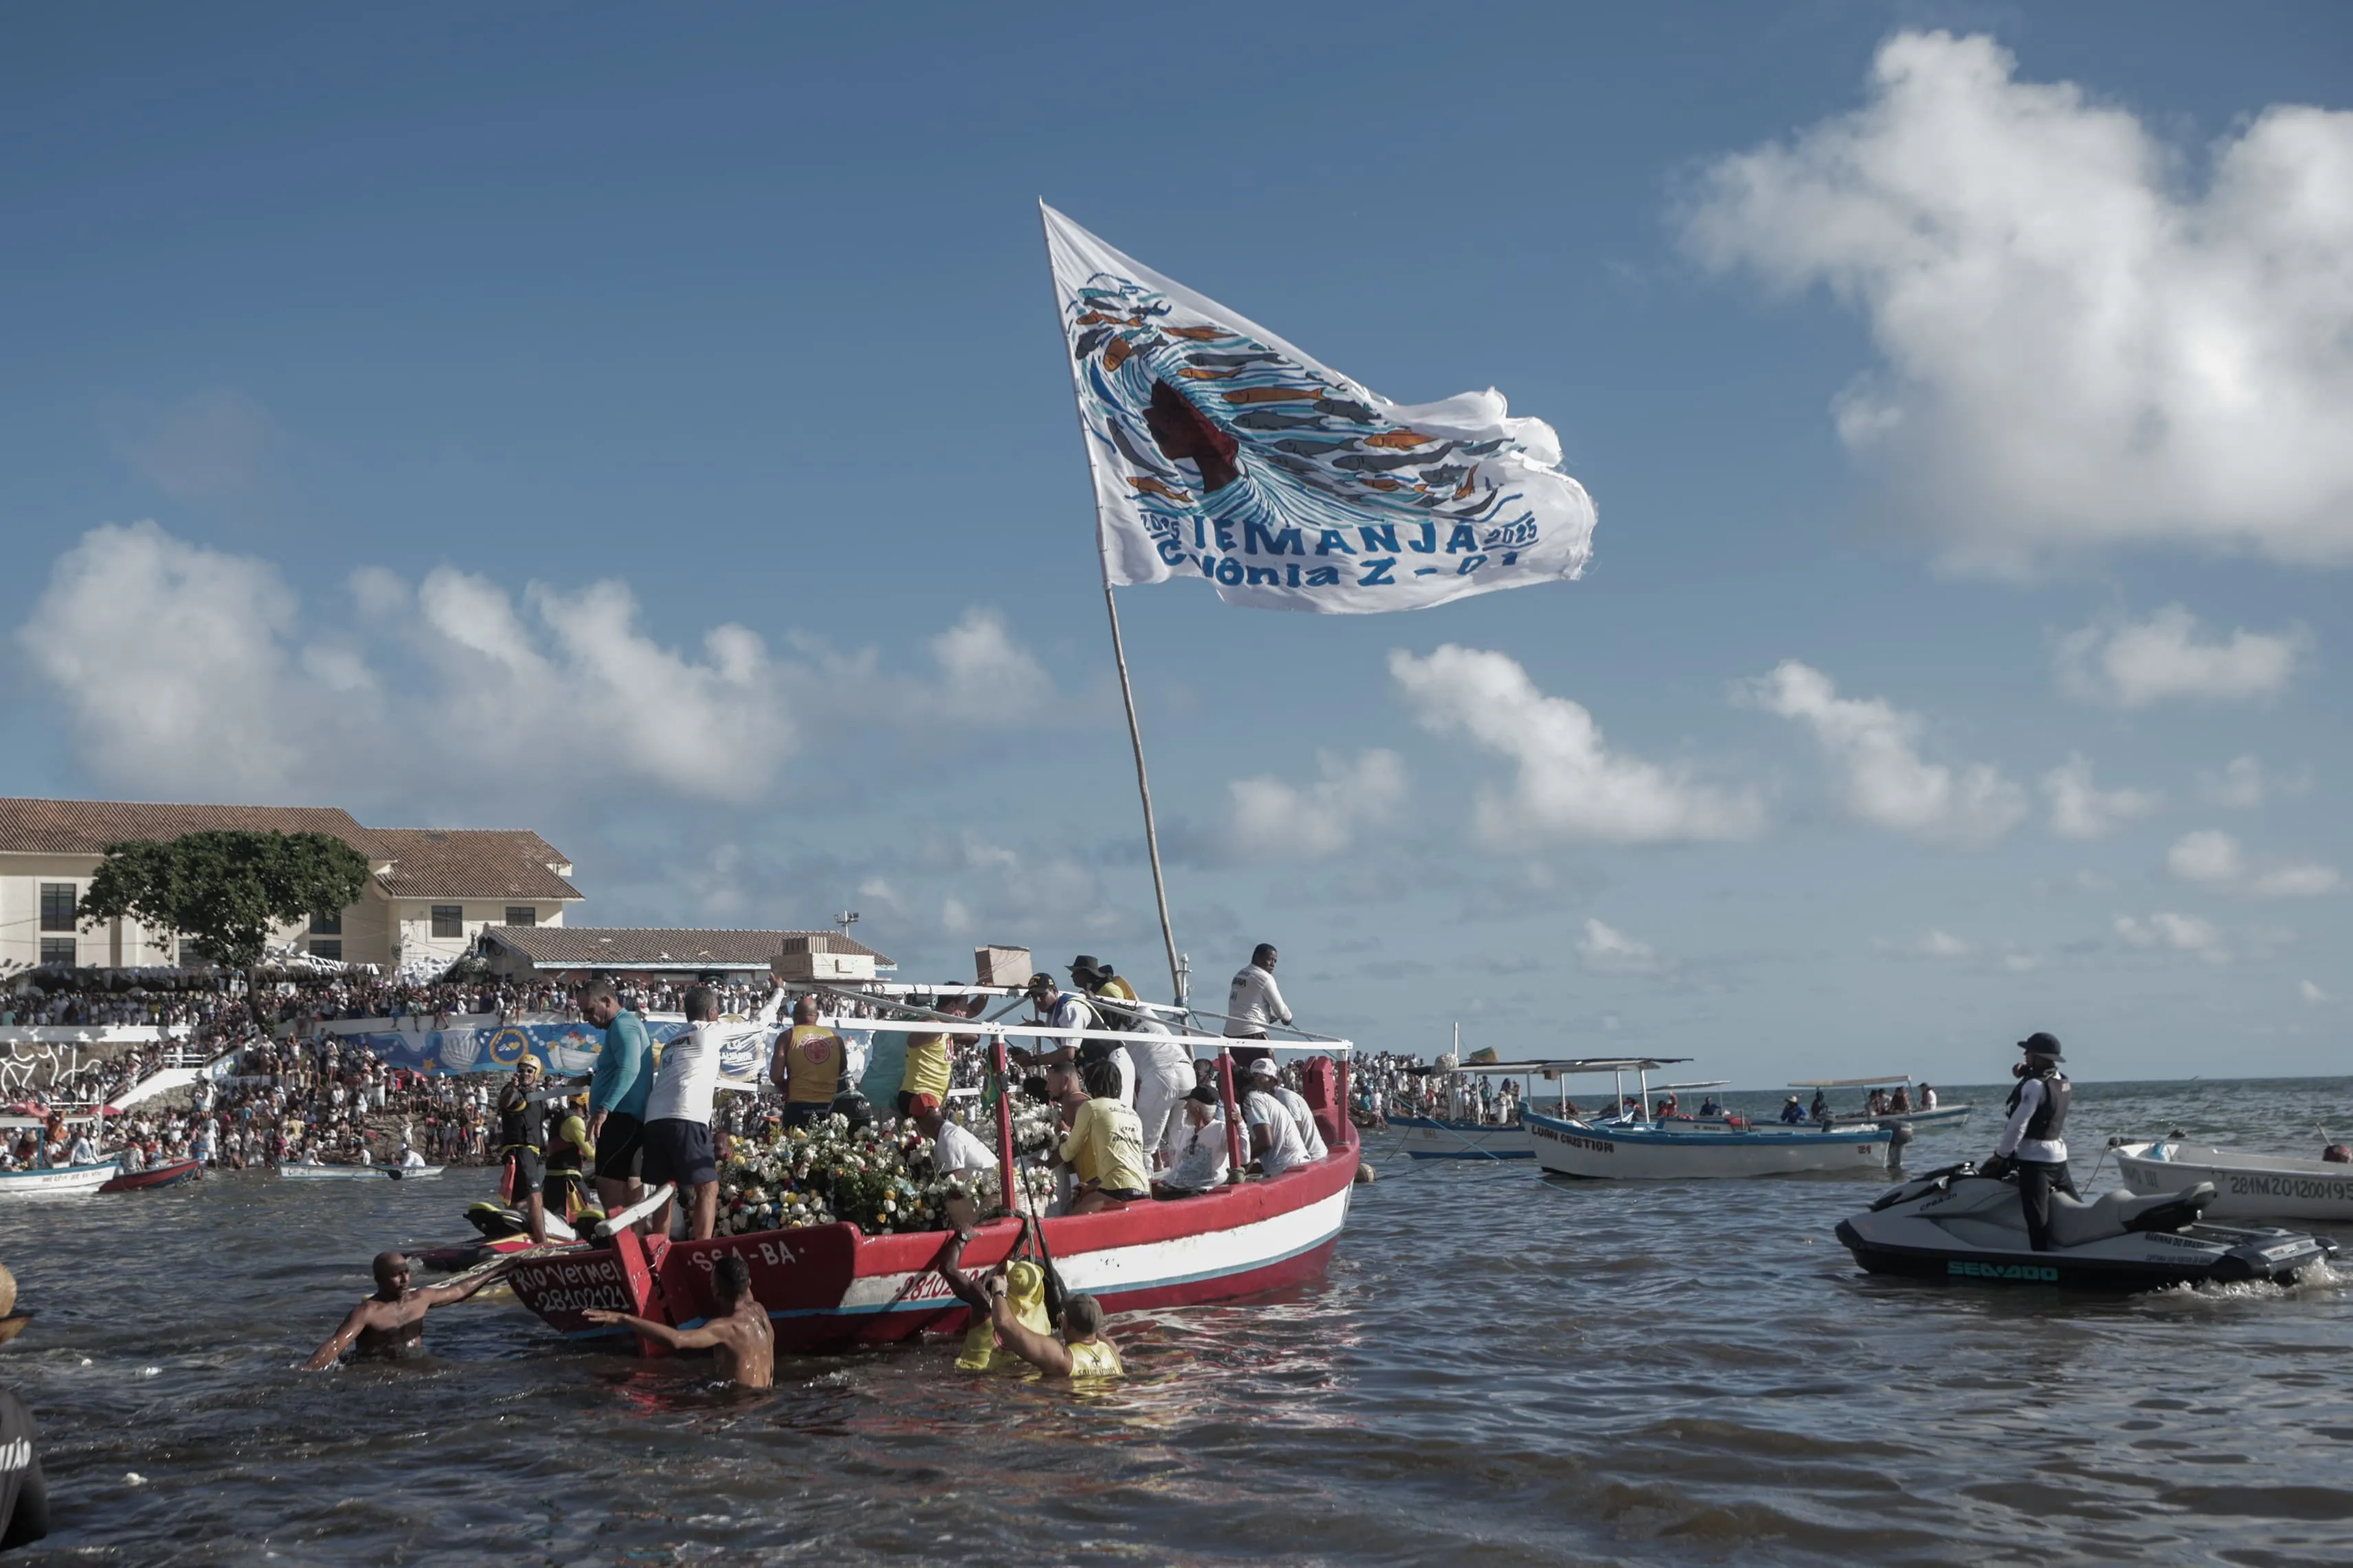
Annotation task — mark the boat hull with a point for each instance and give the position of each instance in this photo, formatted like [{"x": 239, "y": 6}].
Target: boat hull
[
  {"x": 168, "y": 1175},
  {"x": 1438, "y": 1138},
  {"x": 358, "y": 1173},
  {"x": 828, "y": 1287},
  {"x": 2246, "y": 1186},
  {"x": 59, "y": 1181},
  {"x": 1614, "y": 1152}
]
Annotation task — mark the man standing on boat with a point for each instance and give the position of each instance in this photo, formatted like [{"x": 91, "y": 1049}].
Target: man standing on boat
[
  {"x": 616, "y": 1096},
  {"x": 678, "y": 1116},
  {"x": 1252, "y": 1002},
  {"x": 806, "y": 1064},
  {"x": 1060, "y": 1009},
  {"x": 522, "y": 1139},
  {"x": 2032, "y": 1142}
]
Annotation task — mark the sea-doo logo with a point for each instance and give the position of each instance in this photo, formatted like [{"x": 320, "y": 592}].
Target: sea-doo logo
[{"x": 2028, "y": 1273}]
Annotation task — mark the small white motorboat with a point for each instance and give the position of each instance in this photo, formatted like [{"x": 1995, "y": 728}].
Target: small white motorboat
[
  {"x": 1943, "y": 1115},
  {"x": 59, "y": 1181},
  {"x": 298, "y": 1172},
  {"x": 1639, "y": 1144},
  {"x": 2272, "y": 1186},
  {"x": 1446, "y": 1138}
]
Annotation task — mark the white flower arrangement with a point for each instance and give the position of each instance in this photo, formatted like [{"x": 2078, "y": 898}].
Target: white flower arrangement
[{"x": 879, "y": 1177}]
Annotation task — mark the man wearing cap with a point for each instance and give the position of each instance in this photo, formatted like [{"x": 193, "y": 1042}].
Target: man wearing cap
[
  {"x": 1275, "y": 1138},
  {"x": 1252, "y": 1002},
  {"x": 1060, "y": 1009},
  {"x": 1266, "y": 1074},
  {"x": 2031, "y": 1143},
  {"x": 1200, "y": 1161},
  {"x": 522, "y": 1139}
]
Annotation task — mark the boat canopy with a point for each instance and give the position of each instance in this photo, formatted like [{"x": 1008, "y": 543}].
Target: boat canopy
[{"x": 1564, "y": 1067}]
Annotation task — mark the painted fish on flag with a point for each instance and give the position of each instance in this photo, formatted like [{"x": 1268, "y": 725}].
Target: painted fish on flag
[{"x": 1221, "y": 452}]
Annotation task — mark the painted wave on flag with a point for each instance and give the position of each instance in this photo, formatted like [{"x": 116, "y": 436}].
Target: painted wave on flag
[{"x": 1221, "y": 452}]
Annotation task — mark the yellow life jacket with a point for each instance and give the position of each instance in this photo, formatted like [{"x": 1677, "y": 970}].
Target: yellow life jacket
[
  {"x": 1025, "y": 1286},
  {"x": 812, "y": 1064},
  {"x": 1095, "y": 1358}
]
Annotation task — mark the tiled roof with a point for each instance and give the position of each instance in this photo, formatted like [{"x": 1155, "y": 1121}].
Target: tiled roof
[
  {"x": 88, "y": 826},
  {"x": 472, "y": 863},
  {"x": 639, "y": 947}
]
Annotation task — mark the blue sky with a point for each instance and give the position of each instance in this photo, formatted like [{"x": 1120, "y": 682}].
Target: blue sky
[{"x": 400, "y": 411}]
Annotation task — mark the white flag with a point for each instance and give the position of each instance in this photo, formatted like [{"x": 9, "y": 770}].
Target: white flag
[{"x": 1221, "y": 452}]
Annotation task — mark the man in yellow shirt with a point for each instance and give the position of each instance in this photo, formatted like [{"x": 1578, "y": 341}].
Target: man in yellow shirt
[
  {"x": 931, "y": 1059},
  {"x": 806, "y": 1066},
  {"x": 1105, "y": 1146}
]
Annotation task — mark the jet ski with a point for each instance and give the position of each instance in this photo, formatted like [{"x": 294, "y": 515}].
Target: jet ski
[
  {"x": 1957, "y": 1224},
  {"x": 504, "y": 1229}
]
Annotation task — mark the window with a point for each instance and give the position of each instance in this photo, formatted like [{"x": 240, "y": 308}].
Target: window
[
  {"x": 448, "y": 920},
  {"x": 327, "y": 947},
  {"x": 523, "y": 914},
  {"x": 57, "y": 908},
  {"x": 326, "y": 925},
  {"x": 57, "y": 949}
]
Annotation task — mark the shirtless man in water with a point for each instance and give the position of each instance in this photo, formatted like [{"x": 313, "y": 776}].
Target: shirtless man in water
[
  {"x": 392, "y": 1321},
  {"x": 737, "y": 1335}
]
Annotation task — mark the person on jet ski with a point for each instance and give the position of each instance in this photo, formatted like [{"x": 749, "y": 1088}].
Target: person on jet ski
[{"x": 2032, "y": 1144}]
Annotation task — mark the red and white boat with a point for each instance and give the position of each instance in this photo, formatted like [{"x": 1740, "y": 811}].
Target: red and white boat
[
  {"x": 169, "y": 1174},
  {"x": 831, "y": 1286}
]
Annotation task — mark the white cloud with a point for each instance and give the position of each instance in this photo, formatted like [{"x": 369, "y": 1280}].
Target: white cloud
[
  {"x": 2174, "y": 933},
  {"x": 1275, "y": 820},
  {"x": 1882, "y": 775},
  {"x": 2078, "y": 346},
  {"x": 188, "y": 671},
  {"x": 989, "y": 677},
  {"x": 2132, "y": 663},
  {"x": 1570, "y": 785},
  {"x": 2313, "y": 994},
  {"x": 2079, "y": 809},
  {"x": 1609, "y": 950},
  {"x": 2215, "y": 859},
  {"x": 2244, "y": 784},
  {"x": 1933, "y": 943}
]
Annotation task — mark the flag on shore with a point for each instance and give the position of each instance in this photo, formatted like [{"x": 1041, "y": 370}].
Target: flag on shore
[{"x": 1221, "y": 452}]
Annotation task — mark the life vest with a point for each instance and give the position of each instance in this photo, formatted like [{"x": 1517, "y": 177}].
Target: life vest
[
  {"x": 522, "y": 1125},
  {"x": 1116, "y": 992},
  {"x": 2050, "y": 1119},
  {"x": 1025, "y": 1286},
  {"x": 1095, "y": 1358}
]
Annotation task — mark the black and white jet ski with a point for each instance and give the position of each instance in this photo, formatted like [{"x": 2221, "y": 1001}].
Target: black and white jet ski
[{"x": 1956, "y": 1224}]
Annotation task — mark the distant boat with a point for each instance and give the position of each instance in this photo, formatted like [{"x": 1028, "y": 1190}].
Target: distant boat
[
  {"x": 58, "y": 1181},
  {"x": 169, "y": 1174},
  {"x": 1681, "y": 1151},
  {"x": 1444, "y": 1138},
  {"x": 358, "y": 1173},
  {"x": 1864, "y": 1116}
]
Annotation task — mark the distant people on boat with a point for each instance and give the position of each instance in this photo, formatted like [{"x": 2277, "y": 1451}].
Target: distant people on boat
[
  {"x": 410, "y": 1160},
  {"x": 1253, "y": 1003},
  {"x": 391, "y": 1323},
  {"x": 1927, "y": 1097},
  {"x": 1821, "y": 1109},
  {"x": 81, "y": 1151},
  {"x": 1668, "y": 1105},
  {"x": 737, "y": 1335},
  {"x": 1104, "y": 1149},
  {"x": 2338, "y": 1154},
  {"x": 1793, "y": 1113},
  {"x": 1200, "y": 1158},
  {"x": 1875, "y": 1103},
  {"x": 1274, "y": 1140},
  {"x": 134, "y": 1160},
  {"x": 1711, "y": 1106}
]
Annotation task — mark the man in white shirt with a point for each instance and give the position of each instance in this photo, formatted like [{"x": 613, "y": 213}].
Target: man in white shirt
[
  {"x": 1273, "y": 1136},
  {"x": 1266, "y": 1076},
  {"x": 1163, "y": 1077},
  {"x": 410, "y": 1160},
  {"x": 1060, "y": 1009},
  {"x": 954, "y": 1148},
  {"x": 82, "y": 1152},
  {"x": 677, "y": 1137},
  {"x": 1200, "y": 1161},
  {"x": 1252, "y": 1002}
]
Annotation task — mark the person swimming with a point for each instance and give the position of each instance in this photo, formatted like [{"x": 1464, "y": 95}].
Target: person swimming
[{"x": 390, "y": 1324}]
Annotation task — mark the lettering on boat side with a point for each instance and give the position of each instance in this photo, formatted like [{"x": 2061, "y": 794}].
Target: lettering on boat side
[
  {"x": 2030, "y": 1273},
  {"x": 1574, "y": 1142},
  {"x": 562, "y": 1287},
  {"x": 2289, "y": 1186},
  {"x": 776, "y": 1254}
]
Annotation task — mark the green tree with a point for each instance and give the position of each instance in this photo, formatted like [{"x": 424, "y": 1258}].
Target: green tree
[{"x": 226, "y": 890}]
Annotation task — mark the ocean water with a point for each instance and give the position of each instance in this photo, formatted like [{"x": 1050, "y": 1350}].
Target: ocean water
[{"x": 1496, "y": 1369}]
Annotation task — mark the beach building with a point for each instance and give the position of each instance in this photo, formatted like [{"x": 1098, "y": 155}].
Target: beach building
[
  {"x": 433, "y": 892},
  {"x": 572, "y": 953}
]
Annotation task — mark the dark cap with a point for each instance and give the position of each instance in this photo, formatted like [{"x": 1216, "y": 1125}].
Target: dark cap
[
  {"x": 1042, "y": 981},
  {"x": 2042, "y": 1044}
]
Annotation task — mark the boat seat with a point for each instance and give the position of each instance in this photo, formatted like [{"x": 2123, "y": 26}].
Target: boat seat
[{"x": 2120, "y": 1212}]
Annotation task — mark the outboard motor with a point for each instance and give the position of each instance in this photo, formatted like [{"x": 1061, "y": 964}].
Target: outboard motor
[{"x": 1897, "y": 1138}]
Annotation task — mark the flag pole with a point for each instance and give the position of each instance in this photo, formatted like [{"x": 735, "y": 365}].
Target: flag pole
[{"x": 1118, "y": 645}]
